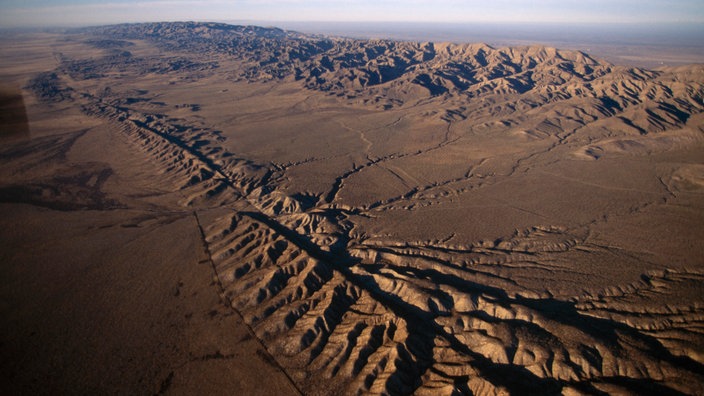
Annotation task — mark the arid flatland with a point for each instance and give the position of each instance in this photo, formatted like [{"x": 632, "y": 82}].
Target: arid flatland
[{"x": 200, "y": 207}]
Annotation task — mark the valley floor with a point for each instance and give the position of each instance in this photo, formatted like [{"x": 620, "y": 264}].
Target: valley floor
[{"x": 175, "y": 222}]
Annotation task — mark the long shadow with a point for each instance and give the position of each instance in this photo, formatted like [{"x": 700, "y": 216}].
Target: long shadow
[
  {"x": 563, "y": 312},
  {"x": 422, "y": 327},
  {"x": 13, "y": 114}
]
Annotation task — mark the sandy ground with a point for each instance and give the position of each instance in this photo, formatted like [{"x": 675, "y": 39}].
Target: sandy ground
[
  {"x": 123, "y": 307},
  {"x": 480, "y": 220}
]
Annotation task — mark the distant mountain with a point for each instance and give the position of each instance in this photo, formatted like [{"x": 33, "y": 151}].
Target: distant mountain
[
  {"x": 387, "y": 217},
  {"x": 400, "y": 72}
]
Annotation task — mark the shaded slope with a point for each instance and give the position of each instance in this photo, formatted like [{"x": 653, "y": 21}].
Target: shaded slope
[{"x": 345, "y": 309}]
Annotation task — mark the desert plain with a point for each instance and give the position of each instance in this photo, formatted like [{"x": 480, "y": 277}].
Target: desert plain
[{"x": 200, "y": 208}]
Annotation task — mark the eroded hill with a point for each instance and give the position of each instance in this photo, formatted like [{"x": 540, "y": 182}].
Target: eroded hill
[{"x": 398, "y": 217}]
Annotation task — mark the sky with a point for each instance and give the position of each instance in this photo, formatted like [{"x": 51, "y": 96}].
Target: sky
[{"x": 17, "y": 13}]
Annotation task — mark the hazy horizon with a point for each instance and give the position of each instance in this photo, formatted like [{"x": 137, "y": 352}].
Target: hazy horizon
[
  {"x": 40, "y": 13},
  {"x": 637, "y": 44}
]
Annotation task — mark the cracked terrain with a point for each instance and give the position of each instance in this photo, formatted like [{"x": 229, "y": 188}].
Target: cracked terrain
[{"x": 337, "y": 216}]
